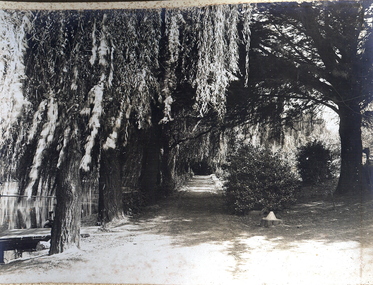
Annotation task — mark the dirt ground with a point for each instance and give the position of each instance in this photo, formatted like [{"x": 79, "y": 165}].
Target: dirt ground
[{"x": 191, "y": 239}]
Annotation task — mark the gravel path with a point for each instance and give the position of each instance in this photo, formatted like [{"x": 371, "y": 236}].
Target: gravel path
[{"x": 190, "y": 239}]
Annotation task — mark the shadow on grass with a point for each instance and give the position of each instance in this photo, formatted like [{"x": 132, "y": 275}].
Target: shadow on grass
[
  {"x": 310, "y": 228},
  {"x": 193, "y": 218}
]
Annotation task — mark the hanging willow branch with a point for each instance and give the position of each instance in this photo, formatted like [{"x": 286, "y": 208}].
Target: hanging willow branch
[
  {"x": 93, "y": 75},
  {"x": 213, "y": 33},
  {"x": 13, "y": 28}
]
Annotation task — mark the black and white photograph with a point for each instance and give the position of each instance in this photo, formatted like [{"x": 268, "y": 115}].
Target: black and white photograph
[{"x": 181, "y": 142}]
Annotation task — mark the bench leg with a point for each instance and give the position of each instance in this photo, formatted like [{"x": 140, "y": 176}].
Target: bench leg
[
  {"x": 2, "y": 257},
  {"x": 18, "y": 253}
]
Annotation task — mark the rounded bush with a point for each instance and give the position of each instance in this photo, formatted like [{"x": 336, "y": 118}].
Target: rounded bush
[
  {"x": 259, "y": 180},
  {"x": 314, "y": 162}
]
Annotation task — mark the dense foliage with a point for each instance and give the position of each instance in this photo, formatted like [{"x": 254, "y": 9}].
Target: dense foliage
[
  {"x": 97, "y": 79},
  {"x": 135, "y": 97},
  {"x": 260, "y": 180},
  {"x": 311, "y": 54},
  {"x": 102, "y": 93},
  {"x": 314, "y": 162}
]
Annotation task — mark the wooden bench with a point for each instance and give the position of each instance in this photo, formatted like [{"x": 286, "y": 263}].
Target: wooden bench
[{"x": 24, "y": 240}]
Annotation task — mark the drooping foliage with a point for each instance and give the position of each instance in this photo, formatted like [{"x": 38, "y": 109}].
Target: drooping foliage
[
  {"x": 95, "y": 91},
  {"x": 203, "y": 44},
  {"x": 13, "y": 43},
  {"x": 109, "y": 76}
]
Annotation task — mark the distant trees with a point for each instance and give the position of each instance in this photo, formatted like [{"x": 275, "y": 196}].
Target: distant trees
[{"x": 314, "y": 162}]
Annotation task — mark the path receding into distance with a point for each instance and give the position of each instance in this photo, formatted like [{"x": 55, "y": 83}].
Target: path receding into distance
[{"x": 191, "y": 239}]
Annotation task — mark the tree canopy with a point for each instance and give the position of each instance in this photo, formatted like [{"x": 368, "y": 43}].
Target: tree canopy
[
  {"x": 135, "y": 98},
  {"x": 83, "y": 84},
  {"x": 310, "y": 55}
]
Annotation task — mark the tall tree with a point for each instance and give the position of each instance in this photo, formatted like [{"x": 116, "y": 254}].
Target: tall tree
[
  {"x": 55, "y": 134},
  {"x": 96, "y": 82},
  {"x": 312, "y": 54}
]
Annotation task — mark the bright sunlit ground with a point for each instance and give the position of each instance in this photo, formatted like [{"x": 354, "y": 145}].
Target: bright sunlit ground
[{"x": 190, "y": 239}]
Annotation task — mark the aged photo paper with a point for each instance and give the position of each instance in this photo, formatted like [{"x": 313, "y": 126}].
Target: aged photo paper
[{"x": 186, "y": 142}]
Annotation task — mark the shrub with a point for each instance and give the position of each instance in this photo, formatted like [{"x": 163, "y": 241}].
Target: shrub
[
  {"x": 259, "y": 180},
  {"x": 314, "y": 162}
]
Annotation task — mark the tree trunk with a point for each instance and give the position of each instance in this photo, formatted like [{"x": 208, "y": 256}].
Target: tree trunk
[
  {"x": 168, "y": 183},
  {"x": 150, "y": 170},
  {"x": 66, "y": 225},
  {"x": 350, "y": 180},
  {"x": 110, "y": 190}
]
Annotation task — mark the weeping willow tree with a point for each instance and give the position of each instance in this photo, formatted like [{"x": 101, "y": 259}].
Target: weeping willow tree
[
  {"x": 13, "y": 102},
  {"x": 101, "y": 91},
  {"x": 213, "y": 38}
]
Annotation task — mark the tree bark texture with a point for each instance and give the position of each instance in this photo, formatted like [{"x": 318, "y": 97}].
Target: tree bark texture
[
  {"x": 66, "y": 225},
  {"x": 151, "y": 165},
  {"x": 350, "y": 180},
  {"x": 167, "y": 183},
  {"x": 110, "y": 190}
]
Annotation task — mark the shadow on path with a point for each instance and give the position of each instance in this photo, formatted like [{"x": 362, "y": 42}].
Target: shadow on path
[{"x": 197, "y": 214}]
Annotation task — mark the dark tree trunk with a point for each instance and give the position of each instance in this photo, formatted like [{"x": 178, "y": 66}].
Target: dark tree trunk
[
  {"x": 66, "y": 225},
  {"x": 168, "y": 183},
  {"x": 110, "y": 190},
  {"x": 350, "y": 180},
  {"x": 150, "y": 171},
  {"x": 25, "y": 164}
]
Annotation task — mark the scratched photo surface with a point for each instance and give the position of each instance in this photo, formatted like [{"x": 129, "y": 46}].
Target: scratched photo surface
[{"x": 180, "y": 142}]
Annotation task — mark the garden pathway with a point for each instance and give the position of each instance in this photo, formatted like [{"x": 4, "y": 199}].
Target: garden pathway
[{"x": 191, "y": 239}]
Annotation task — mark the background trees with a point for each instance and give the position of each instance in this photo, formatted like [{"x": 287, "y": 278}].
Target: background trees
[{"x": 314, "y": 162}]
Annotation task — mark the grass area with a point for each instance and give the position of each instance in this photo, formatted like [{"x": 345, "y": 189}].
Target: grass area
[{"x": 320, "y": 216}]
